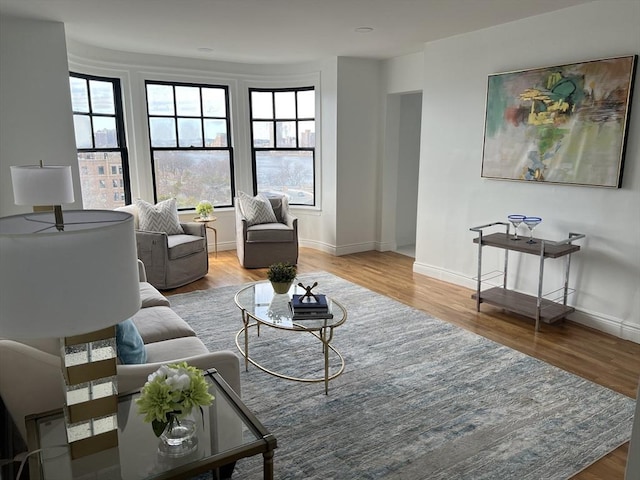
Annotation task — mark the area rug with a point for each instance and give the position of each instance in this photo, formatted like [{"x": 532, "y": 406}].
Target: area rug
[{"x": 419, "y": 398}]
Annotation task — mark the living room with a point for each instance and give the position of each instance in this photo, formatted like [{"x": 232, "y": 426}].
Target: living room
[{"x": 451, "y": 73}]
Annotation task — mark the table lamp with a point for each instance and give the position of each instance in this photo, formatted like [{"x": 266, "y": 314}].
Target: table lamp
[
  {"x": 43, "y": 188},
  {"x": 74, "y": 278}
]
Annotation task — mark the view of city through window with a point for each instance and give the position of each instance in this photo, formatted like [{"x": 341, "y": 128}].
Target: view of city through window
[
  {"x": 283, "y": 142},
  {"x": 99, "y": 131},
  {"x": 191, "y": 152}
]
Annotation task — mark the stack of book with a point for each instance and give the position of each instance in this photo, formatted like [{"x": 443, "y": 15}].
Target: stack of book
[{"x": 307, "y": 308}]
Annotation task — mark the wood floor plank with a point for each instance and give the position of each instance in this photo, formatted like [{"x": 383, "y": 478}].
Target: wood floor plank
[{"x": 596, "y": 356}]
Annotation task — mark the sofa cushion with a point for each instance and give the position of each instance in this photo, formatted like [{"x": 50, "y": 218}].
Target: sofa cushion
[
  {"x": 270, "y": 232},
  {"x": 175, "y": 349},
  {"x": 151, "y": 297},
  {"x": 256, "y": 210},
  {"x": 129, "y": 344},
  {"x": 156, "y": 324},
  {"x": 161, "y": 217},
  {"x": 184, "y": 245}
]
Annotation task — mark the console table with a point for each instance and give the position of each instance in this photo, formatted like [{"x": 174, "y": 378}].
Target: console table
[{"x": 538, "y": 307}]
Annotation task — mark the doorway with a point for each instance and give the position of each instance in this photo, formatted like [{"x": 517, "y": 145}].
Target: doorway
[{"x": 410, "y": 115}]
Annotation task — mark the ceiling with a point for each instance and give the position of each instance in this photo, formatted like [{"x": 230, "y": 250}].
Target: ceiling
[{"x": 274, "y": 31}]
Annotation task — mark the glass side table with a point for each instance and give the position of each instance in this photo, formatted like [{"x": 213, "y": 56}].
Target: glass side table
[{"x": 230, "y": 432}]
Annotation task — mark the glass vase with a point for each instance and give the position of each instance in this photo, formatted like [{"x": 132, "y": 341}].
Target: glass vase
[{"x": 179, "y": 438}]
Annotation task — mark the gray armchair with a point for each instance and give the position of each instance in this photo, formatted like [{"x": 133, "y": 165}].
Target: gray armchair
[
  {"x": 172, "y": 260},
  {"x": 260, "y": 245}
]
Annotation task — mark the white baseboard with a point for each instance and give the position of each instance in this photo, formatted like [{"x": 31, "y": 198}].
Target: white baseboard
[{"x": 598, "y": 321}]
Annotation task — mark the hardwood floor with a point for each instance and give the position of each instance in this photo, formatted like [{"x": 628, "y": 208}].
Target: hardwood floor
[{"x": 599, "y": 357}]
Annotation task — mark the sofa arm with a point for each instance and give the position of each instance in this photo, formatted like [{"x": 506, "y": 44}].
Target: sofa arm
[
  {"x": 227, "y": 363},
  {"x": 30, "y": 381},
  {"x": 142, "y": 273}
]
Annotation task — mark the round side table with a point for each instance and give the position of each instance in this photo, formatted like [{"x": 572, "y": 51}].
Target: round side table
[{"x": 207, "y": 224}]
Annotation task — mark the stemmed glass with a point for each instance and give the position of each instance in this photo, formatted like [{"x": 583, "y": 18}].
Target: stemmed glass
[
  {"x": 531, "y": 222},
  {"x": 516, "y": 220}
]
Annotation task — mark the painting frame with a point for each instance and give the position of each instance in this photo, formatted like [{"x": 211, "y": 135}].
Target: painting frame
[{"x": 563, "y": 124}]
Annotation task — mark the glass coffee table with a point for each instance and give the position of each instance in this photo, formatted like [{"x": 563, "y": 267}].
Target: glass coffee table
[
  {"x": 229, "y": 432},
  {"x": 260, "y": 305}
]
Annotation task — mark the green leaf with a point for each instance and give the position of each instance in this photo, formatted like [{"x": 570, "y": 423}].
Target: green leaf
[{"x": 158, "y": 427}]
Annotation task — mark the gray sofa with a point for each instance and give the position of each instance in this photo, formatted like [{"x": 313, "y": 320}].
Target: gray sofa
[{"x": 31, "y": 376}]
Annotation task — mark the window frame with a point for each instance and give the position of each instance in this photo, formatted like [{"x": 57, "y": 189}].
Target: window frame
[
  {"x": 229, "y": 148},
  {"x": 274, "y": 120},
  {"x": 120, "y": 128}
]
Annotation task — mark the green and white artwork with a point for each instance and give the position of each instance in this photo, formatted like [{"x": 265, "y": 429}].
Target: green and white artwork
[{"x": 563, "y": 124}]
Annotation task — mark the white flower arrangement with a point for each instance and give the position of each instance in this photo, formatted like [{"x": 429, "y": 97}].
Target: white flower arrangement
[
  {"x": 204, "y": 208},
  {"x": 170, "y": 394}
]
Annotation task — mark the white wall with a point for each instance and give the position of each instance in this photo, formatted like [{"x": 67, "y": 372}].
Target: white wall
[
  {"x": 453, "y": 197},
  {"x": 35, "y": 103},
  {"x": 358, "y": 120}
]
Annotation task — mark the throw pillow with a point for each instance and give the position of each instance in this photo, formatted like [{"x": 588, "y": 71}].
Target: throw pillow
[
  {"x": 129, "y": 344},
  {"x": 256, "y": 209},
  {"x": 161, "y": 217}
]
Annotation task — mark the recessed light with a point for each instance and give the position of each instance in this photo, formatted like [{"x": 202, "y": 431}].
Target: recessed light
[{"x": 364, "y": 29}]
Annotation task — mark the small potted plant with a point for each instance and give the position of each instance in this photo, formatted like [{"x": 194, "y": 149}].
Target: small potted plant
[
  {"x": 204, "y": 209},
  {"x": 281, "y": 276}
]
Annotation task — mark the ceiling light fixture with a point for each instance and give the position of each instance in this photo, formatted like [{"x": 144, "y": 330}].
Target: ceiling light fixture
[
  {"x": 205, "y": 49},
  {"x": 364, "y": 29}
]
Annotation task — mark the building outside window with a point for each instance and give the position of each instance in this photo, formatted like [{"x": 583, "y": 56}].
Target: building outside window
[
  {"x": 100, "y": 139},
  {"x": 283, "y": 131},
  {"x": 190, "y": 138}
]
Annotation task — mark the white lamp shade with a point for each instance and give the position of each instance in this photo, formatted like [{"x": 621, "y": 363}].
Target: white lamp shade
[
  {"x": 46, "y": 185},
  {"x": 63, "y": 283}
]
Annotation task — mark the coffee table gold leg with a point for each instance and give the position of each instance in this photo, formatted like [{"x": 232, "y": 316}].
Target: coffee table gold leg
[{"x": 245, "y": 320}]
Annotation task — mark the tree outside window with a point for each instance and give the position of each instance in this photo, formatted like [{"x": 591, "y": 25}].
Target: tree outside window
[{"x": 190, "y": 138}]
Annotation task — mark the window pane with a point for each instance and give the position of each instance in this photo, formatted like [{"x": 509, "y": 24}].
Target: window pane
[
  {"x": 82, "y": 127},
  {"x": 163, "y": 132},
  {"x": 287, "y": 172},
  {"x": 215, "y": 133},
  {"x": 307, "y": 134},
  {"x": 261, "y": 105},
  {"x": 79, "y": 94},
  {"x": 193, "y": 176},
  {"x": 263, "y": 135},
  {"x": 102, "y": 97},
  {"x": 285, "y": 134},
  {"x": 160, "y": 99},
  {"x": 188, "y": 101},
  {"x": 213, "y": 101},
  {"x": 307, "y": 104},
  {"x": 189, "y": 132},
  {"x": 92, "y": 171},
  {"x": 285, "y": 104},
  {"x": 104, "y": 132}
]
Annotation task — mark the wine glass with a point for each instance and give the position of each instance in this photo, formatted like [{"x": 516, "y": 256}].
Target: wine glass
[
  {"x": 516, "y": 220},
  {"x": 531, "y": 222}
]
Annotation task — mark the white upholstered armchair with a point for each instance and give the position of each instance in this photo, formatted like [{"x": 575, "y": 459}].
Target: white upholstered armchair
[
  {"x": 266, "y": 233},
  {"x": 172, "y": 258}
]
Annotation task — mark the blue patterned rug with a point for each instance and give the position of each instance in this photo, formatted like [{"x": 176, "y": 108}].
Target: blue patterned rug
[{"x": 419, "y": 398}]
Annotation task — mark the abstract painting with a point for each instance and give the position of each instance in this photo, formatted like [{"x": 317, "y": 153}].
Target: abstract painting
[{"x": 565, "y": 124}]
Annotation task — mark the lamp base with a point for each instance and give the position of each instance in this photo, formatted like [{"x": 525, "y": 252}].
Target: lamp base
[{"x": 89, "y": 364}]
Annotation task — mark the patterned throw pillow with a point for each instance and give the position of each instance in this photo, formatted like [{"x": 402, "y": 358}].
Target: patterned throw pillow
[
  {"x": 256, "y": 209},
  {"x": 161, "y": 217}
]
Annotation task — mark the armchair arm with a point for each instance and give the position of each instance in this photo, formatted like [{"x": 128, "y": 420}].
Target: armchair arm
[
  {"x": 133, "y": 377},
  {"x": 194, "y": 228},
  {"x": 291, "y": 220}
]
